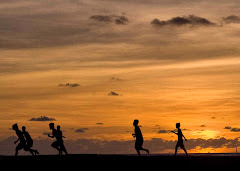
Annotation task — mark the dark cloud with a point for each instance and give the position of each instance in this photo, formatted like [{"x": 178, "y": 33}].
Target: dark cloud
[
  {"x": 163, "y": 131},
  {"x": 203, "y": 126},
  {"x": 88, "y": 146},
  {"x": 213, "y": 117},
  {"x": 185, "y": 20},
  {"x": 231, "y": 19},
  {"x": 232, "y": 129},
  {"x": 42, "y": 119},
  {"x": 235, "y": 129},
  {"x": 69, "y": 85},
  {"x": 112, "y": 93},
  {"x": 228, "y": 127},
  {"x": 99, "y": 123},
  {"x": 120, "y": 20},
  {"x": 102, "y": 18},
  {"x": 81, "y": 130}
]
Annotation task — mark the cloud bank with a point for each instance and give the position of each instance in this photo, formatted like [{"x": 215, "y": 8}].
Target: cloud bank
[{"x": 88, "y": 146}]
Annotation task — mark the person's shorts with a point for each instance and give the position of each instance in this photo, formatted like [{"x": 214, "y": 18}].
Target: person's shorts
[
  {"x": 180, "y": 144},
  {"x": 55, "y": 144},
  {"x": 21, "y": 146},
  {"x": 28, "y": 145},
  {"x": 138, "y": 143}
]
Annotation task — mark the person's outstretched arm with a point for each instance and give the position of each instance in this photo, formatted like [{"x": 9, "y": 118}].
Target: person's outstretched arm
[
  {"x": 51, "y": 136},
  {"x": 16, "y": 141},
  {"x": 184, "y": 137},
  {"x": 174, "y": 132}
]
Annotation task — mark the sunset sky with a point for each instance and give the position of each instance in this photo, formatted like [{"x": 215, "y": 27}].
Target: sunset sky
[{"x": 93, "y": 66}]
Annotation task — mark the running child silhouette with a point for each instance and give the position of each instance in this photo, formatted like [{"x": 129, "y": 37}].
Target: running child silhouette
[
  {"x": 56, "y": 143},
  {"x": 22, "y": 143},
  {"x": 139, "y": 138},
  {"x": 60, "y": 140},
  {"x": 180, "y": 139}
]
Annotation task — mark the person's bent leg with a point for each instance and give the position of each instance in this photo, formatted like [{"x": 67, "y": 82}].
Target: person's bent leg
[
  {"x": 56, "y": 146},
  {"x": 16, "y": 151},
  {"x": 138, "y": 151},
  {"x": 145, "y": 150},
  {"x": 64, "y": 150},
  {"x": 31, "y": 151},
  {"x": 19, "y": 147}
]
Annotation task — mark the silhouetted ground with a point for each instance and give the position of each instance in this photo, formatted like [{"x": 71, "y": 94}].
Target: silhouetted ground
[{"x": 161, "y": 161}]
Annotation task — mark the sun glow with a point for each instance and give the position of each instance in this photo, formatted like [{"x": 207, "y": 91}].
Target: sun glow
[{"x": 206, "y": 134}]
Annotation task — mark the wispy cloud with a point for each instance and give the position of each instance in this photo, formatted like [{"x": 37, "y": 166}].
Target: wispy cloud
[
  {"x": 231, "y": 19},
  {"x": 69, "y": 85},
  {"x": 81, "y": 130},
  {"x": 119, "y": 20}
]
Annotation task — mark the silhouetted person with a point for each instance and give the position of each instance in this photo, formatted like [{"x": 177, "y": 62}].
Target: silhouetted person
[
  {"x": 139, "y": 138},
  {"x": 55, "y": 144},
  {"x": 60, "y": 140},
  {"x": 29, "y": 142},
  {"x": 20, "y": 136},
  {"x": 180, "y": 139}
]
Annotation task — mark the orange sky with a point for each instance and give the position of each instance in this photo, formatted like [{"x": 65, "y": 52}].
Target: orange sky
[{"x": 162, "y": 74}]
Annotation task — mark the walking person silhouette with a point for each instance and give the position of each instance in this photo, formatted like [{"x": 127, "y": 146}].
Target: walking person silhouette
[
  {"x": 139, "y": 138},
  {"x": 60, "y": 141},
  {"x": 29, "y": 142},
  {"x": 180, "y": 139},
  {"x": 22, "y": 143},
  {"x": 55, "y": 144}
]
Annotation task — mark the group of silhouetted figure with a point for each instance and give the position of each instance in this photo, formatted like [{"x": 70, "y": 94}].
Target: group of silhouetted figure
[{"x": 26, "y": 141}]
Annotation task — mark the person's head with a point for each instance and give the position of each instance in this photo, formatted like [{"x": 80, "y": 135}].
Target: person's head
[
  {"x": 51, "y": 125},
  {"x": 15, "y": 127},
  {"x": 177, "y": 125},
  {"x": 58, "y": 127},
  {"x": 23, "y": 128},
  {"x": 135, "y": 122}
]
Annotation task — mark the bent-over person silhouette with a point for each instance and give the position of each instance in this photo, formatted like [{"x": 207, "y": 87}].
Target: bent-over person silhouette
[
  {"x": 29, "y": 142},
  {"x": 139, "y": 138}
]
